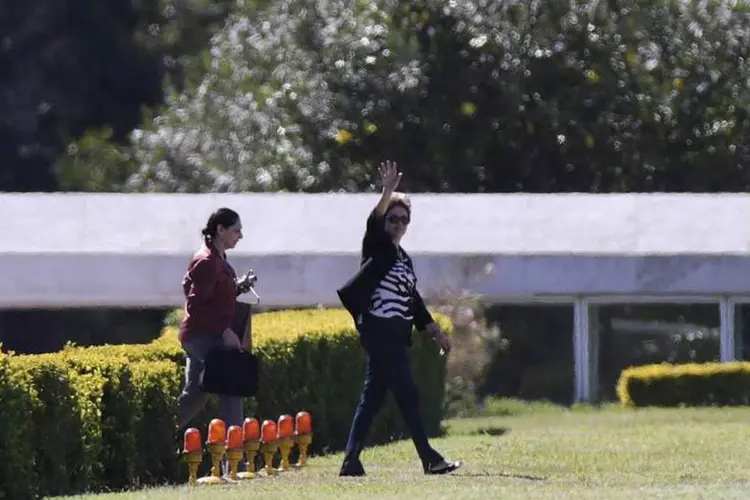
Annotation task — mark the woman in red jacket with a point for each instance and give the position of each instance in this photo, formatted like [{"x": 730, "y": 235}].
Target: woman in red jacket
[{"x": 211, "y": 290}]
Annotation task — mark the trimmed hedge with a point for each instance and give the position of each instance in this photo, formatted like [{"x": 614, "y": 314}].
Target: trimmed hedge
[
  {"x": 690, "y": 384},
  {"x": 104, "y": 417},
  {"x": 16, "y": 404}
]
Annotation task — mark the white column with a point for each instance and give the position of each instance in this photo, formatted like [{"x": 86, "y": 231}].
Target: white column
[
  {"x": 581, "y": 350},
  {"x": 739, "y": 331},
  {"x": 726, "y": 322},
  {"x": 593, "y": 351}
]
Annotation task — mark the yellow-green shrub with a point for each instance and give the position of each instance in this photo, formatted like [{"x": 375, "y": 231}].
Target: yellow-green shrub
[
  {"x": 92, "y": 418},
  {"x": 311, "y": 358},
  {"x": 59, "y": 420},
  {"x": 16, "y": 405},
  {"x": 84, "y": 414},
  {"x": 157, "y": 385},
  {"x": 690, "y": 384}
]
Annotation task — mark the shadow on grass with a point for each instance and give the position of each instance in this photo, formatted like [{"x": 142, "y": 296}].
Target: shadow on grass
[
  {"x": 511, "y": 407},
  {"x": 508, "y": 475},
  {"x": 490, "y": 431}
]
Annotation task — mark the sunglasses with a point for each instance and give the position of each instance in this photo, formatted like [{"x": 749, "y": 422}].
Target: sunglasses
[{"x": 395, "y": 218}]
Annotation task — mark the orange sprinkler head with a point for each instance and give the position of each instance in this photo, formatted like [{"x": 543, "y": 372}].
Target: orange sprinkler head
[
  {"x": 268, "y": 431},
  {"x": 217, "y": 431},
  {"x": 304, "y": 423},
  {"x": 192, "y": 440},
  {"x": 251, "y": 430}
]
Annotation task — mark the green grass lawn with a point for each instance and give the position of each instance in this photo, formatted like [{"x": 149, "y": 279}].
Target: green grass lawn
[{"x": 521, "y": 452}]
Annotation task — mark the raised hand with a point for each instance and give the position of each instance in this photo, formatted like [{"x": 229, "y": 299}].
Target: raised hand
[{"x": 389, "y": 176}]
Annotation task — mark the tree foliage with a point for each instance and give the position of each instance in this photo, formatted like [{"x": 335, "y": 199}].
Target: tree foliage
[
  {"x": 69, "y": 67},
  {"x": 468, "y": 96}
]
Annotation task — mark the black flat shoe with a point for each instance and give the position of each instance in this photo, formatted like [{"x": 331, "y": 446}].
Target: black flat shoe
[
  {"x": 443, "y": 467},
  {"x": 352, "y": 469}
]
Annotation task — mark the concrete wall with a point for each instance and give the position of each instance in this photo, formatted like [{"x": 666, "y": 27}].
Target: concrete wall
[
  {"x": 64, "y": 250},
  {"x": 132, "y": 281}
]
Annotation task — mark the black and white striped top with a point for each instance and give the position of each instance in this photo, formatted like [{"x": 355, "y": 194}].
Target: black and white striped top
[
  {"x": 392, "y": 298},
  {"x": 383, "y": 296}
]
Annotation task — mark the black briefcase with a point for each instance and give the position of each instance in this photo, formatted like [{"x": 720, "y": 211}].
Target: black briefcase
[{"x": 230, "y": 372}]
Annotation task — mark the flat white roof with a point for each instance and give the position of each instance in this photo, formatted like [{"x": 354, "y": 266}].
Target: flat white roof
[
  {"x": 130, "y": 250},
  {"x": 293, "y": 224}
]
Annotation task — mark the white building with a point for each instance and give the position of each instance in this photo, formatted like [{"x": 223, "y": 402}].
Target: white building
[{"x": 69, "y": 250}]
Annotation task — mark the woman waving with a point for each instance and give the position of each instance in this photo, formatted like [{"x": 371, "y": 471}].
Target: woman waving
[{"x": 385, "y": 304}]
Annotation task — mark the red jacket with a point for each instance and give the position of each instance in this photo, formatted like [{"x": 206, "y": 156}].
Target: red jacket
[{"x": 210, "y": 294}]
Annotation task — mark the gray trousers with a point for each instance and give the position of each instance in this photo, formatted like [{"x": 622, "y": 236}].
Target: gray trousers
[{"x": 191, "y": 401}]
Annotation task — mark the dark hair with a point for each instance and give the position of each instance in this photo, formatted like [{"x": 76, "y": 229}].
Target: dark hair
[{"x": 225, "y": 217}]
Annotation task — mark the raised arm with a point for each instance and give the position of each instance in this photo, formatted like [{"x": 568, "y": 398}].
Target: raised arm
[
  {"x": 376, "y": 239},
  {"x": 390, "y": 177}
]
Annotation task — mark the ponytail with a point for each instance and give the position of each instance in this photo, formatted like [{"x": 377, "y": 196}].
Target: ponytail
[{"x": 224, "y": 217}]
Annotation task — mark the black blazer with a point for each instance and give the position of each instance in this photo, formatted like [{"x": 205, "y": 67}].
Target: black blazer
[{"x": 378, "y": 256}]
